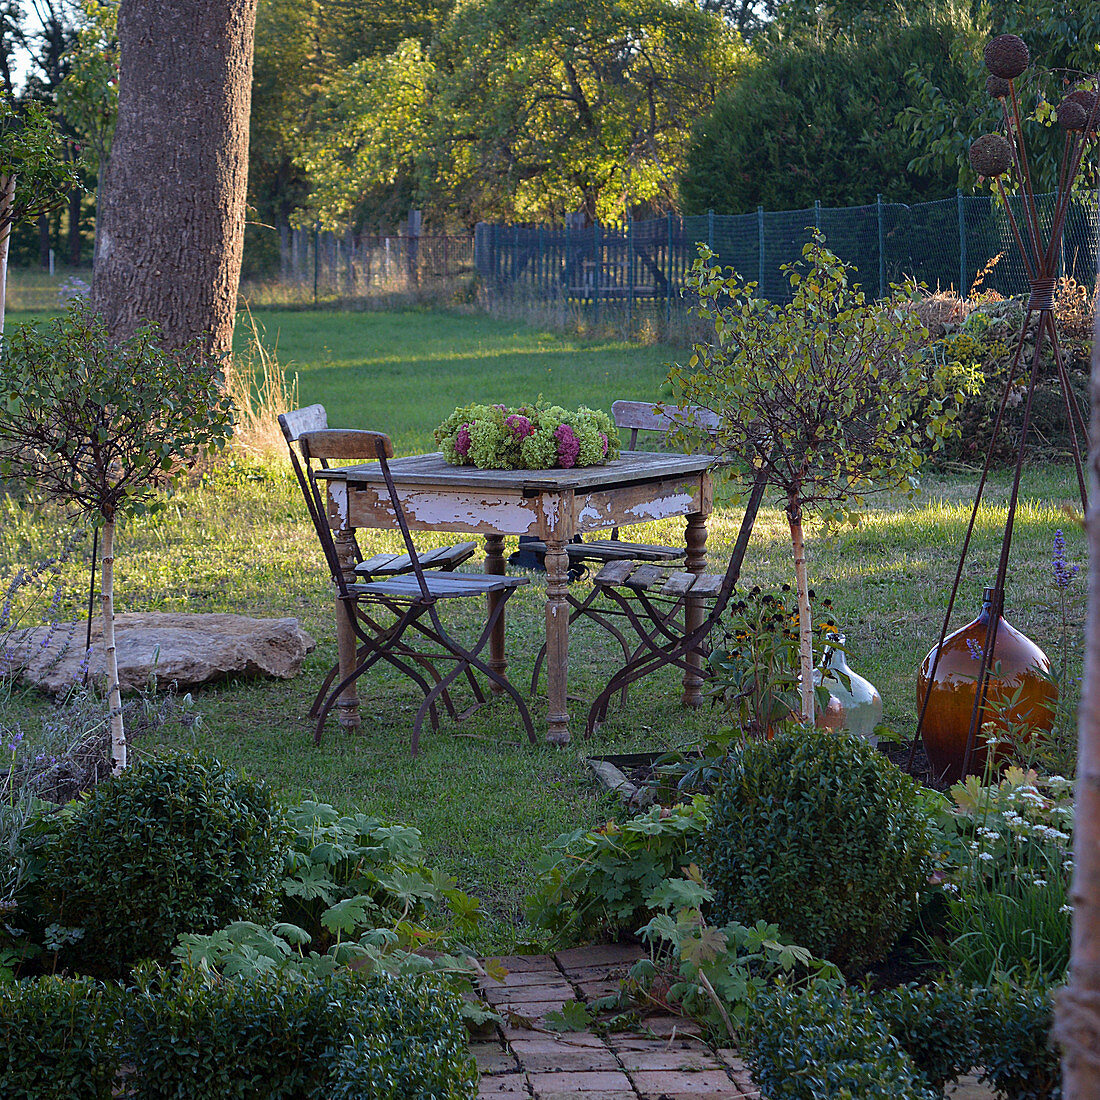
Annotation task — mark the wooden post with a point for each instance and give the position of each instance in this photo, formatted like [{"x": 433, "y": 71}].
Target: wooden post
[
  {"x": 494, "y": 566},
  {"x": 1078, "y": 1003},
  {"x": 412, "y": 248}
]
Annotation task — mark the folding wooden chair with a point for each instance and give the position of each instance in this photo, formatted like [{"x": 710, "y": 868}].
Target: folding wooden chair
[
  {"x": 651, "y": 597},
  {"x": 396, "y": 618},
  {"x": 637, "y": 416},
  {"x": 314, "y": 418}
]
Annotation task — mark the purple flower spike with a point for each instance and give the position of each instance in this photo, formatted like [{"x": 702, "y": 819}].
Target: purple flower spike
[
  {"x": 1064, "y": 573},
  {"x": 975, "y": 649},
  {"x": 568, "y": 446},
  {"x": 462, "y": 440}
]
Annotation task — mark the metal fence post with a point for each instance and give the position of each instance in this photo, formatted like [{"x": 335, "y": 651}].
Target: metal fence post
[
  {"x": 629, "y": 271},
  {"x": 817, "y": 215},
  {"x": 316, "y": 258},
  {"x": 710, "y": 230},
  {"x": 881, "y": 250},
  {"x": 599, "y": 264},
  {"x": 962, "y": 246},
  {"x": 668, "y": 272},
  {"x": 760, "y": 233}
]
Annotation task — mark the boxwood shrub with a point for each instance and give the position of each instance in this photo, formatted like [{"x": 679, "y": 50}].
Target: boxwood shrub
[
  {"x": 1015, "y": 1047},
  {"x": 173, "y": 844},
  {"x": 194, "y": 1036},
  {"x": 828, "y": 1042},
  {"x": 58, "y": 1039},
  {"x": 819, "y": 833}
]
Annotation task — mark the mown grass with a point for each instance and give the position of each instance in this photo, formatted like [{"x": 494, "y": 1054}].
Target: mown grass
[{"x": 486, "y": 801}]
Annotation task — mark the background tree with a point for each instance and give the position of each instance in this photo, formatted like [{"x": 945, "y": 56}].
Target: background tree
[
  {"x": 100, "y": 424},
  {"x": 173, "y": 205},
  {"x": 816, "y": 120},
  {"x": 831, "y": 390},
  {"x": 34, "y": 177},
  {"x": 87, "y": 97},
  {"x": 546, "y": 106}
]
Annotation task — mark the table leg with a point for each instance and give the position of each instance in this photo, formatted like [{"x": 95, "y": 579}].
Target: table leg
[
  {"x": 557, "y": 640},
  {"x": 347, "y": 706},
  {"x": 494, "y": 565},
  {"x": 694, "y": 610}
]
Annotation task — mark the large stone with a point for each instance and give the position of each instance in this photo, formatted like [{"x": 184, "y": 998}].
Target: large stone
[{"x": 184, "y": 650}]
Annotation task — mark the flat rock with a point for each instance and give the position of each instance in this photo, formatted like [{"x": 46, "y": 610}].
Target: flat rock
[{"x": 184, "y": 650}]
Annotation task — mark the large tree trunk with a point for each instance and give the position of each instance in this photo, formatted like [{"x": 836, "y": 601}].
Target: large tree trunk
[
  {"x": 173, "y": 203},
  {"x": 1078, "y": 1022},
  {"x": 7, "y": 201}
]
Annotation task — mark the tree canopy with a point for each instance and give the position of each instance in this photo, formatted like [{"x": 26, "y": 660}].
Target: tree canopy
[{"x": 816, "y": 119}]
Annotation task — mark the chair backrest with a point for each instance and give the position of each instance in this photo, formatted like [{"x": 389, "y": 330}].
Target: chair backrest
[
  {"x": 312, "y": 444},
  {"x": 645, "y": 416}
]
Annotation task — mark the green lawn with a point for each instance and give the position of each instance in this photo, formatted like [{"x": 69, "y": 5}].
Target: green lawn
[{"x": 486, "y": 801}]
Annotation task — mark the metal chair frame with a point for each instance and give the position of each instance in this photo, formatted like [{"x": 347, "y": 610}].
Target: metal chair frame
[
  {"x": 637, "y": 416},
  {"x": 409, "y": 600},
  {"x": 661, "y": 639}
]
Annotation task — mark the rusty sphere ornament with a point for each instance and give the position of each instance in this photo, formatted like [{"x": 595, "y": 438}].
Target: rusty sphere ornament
[
  {"x": 991, "y": 156},
  {"x": 1087, "y": 100},
  {"x": 996, "y": 86},
  {"x": 1006, "y": 56},
  {"x": 1071, "y": 115}
]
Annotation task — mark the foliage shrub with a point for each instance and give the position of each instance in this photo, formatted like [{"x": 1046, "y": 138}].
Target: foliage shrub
[
  {"x": 828, "y": 1042},
  {"x": 1014, "y": 1044},
  {"x": 192, "y": 1037},
  {"x": 600, "y": 882},
  {"x": 174, "y": 844},
  {"x": 819, "y": 112},
  {"x": 58, "y": 1039},
  {"x": 934, "y": 1025},
  {"x": 817, "y": 832}
]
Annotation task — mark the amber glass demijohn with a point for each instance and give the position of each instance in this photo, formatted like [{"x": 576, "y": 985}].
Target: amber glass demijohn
[{"x": 1019, "y": 698}]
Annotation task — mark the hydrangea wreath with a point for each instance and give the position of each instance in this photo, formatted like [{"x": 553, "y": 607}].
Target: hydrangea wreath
[{"x": 531, "y": 437}]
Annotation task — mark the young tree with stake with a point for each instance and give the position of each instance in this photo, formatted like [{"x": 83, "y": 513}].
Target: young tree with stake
[
  {"x": 101, "y": 425},
  {"x": 832, "y": 390}
]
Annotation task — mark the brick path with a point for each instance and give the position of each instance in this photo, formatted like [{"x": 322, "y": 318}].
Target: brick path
[{"x": 663, "y": 1060}]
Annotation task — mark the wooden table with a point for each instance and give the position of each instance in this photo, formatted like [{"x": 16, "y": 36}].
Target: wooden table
[{"x": 552, "y": 505}]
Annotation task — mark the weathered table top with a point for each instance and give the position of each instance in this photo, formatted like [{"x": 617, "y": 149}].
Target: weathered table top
[{"x": 431, "y": 469}]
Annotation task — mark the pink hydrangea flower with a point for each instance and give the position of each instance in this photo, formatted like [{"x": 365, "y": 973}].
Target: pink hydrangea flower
[
  {"x": 520, "y": 425},
  {"x": 462, "y": 440},
  {"x": 568, "y": 446},
  {"x": 603, "y": 443}
]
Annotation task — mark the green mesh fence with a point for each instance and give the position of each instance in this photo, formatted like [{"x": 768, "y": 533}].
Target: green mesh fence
[{"x": 642, "y": 266}]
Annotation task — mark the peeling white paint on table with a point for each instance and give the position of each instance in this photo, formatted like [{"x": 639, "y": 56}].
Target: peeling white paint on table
[{"x": 552, "y": 505}]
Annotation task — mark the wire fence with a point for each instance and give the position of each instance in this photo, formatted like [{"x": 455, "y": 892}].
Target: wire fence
[{"x": 643, "y": 265}]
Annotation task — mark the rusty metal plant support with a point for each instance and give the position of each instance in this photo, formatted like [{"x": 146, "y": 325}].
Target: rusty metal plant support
[{"x": 991, "y": 156}]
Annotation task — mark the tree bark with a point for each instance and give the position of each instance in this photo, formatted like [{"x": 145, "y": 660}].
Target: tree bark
[
  {"x": 173, "y": 205},
  {"x": 1078, "y": 1016},
  {"x": 7, "y": 201},
  {"x": 107, "y": 602},
  {"x": 805, "y": 622}
]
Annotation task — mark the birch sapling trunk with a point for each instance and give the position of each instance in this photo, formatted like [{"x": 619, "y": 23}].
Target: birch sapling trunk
[
  {"x": 114, "y": 693},
  {"x": 805, "y": 623},
  {"x": 1078, "y": 1012},
  {"x": 7, "y": 202}
]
